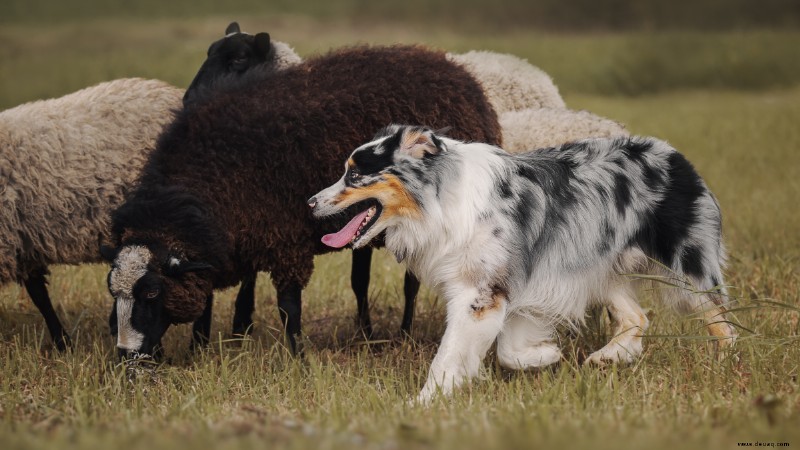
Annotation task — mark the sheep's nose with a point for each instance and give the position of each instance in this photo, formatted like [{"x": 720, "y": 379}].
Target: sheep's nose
[{"x": 312, "y": 202}]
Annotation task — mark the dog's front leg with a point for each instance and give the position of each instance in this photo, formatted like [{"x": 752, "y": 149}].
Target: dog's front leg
[{"x": 474, "y": 319}]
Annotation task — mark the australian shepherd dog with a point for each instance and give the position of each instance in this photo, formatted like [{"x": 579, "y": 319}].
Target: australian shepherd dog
[{"x": 519, "y": 243}]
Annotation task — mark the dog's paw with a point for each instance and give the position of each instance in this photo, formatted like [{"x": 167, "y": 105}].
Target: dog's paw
[
  {"x": 615, "y": 353},
  {"x": 532, "y": 357}
]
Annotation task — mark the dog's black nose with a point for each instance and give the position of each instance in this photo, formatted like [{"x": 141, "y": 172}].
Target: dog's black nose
[{"x": 312, "y": 202}]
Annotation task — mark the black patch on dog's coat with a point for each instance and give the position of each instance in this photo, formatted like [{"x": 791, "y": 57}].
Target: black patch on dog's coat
[
  {"x": 674, "y": 216},
  {"x": 622, "y": 193},
  {"x": 606, "y": 238},
  {"x": 505, "y": 189},
  {"x": 692, "y": 261},
  {"x": 369, "y": 162}
]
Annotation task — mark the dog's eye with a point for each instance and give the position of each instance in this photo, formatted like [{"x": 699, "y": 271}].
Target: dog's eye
[
  {"x": 354, "y": 175},
  {"x": 152, "y": 293}
]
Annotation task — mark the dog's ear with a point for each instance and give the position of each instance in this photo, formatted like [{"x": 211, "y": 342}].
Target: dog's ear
[
  {"x": 418, "y": 142},
  {"x": 232, "y": 28}
]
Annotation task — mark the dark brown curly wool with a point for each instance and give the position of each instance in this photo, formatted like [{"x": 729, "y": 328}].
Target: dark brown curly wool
[{"x": 230, "y": 177}]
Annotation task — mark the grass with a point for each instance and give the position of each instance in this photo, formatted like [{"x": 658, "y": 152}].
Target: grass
[
  {"x": 348, "y": 393},
  {"x": 608, "y": 64}
]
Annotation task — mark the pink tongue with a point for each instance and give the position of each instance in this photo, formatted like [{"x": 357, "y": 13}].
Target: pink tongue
[{"x": 345, "y": 235}]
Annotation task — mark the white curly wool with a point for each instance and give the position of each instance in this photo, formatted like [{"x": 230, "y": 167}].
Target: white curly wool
[
  {"x": 285, "y": 56},
  {"x": 530, "y": 129},
  {"x": 66, "y": 163},
  {"x": 510, "y": 83}
]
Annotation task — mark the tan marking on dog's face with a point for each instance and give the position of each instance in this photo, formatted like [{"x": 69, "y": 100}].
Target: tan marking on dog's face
[{"x": 390, "y": 192}]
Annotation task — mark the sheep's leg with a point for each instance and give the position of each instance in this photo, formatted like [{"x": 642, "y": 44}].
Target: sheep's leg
[
  {"x": 112, "y": 320},
  {"x": 245, "y": 305},
  {"x": 410, "y": 290},
  {"x": 201, "y": 330},
  {"x": 291, "y": 308},
  {"x": 36, "y": 285},
  {"x": 359, "y": 280}
]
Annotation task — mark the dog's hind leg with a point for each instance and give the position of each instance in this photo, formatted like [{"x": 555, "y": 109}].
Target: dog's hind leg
[
  {"x": 710, "y": 303},
  {"x": 526, "y": 342},
  {"x": 474, "y": 319},
  {"x": 628, "y": 324}
]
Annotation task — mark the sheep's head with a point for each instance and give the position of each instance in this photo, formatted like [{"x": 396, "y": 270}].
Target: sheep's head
[
  {"x": 234, "y": 54},
  {"x": 153, "y": 288}
]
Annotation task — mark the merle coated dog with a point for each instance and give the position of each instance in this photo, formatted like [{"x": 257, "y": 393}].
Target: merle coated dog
[{"x": 517, "y": 244}]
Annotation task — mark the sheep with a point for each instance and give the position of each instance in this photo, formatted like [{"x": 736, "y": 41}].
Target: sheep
[
  {"x": 65, "y": 163},
  {"x": 235, "y": 53},
  {"x": 204, "y": 210},
  {"x": 530, "y": 129},
  {"x": 232, "y": 55},
  {"x": 510, "y": 83}
]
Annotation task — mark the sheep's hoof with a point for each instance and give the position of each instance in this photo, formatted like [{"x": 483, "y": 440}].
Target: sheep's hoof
[{"x": 141, "y": 367}]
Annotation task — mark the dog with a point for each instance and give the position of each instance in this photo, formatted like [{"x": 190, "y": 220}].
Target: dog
[{"x": 519, "y": 243}]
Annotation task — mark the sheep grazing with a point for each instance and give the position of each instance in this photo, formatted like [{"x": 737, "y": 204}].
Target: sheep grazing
[
  {"x": 65, "y": 164},
  {"x": 224, "y": 192},
  {"x": 230, "y": 57}
]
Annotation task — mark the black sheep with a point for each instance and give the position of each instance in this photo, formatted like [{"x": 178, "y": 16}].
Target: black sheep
[
  {"x": 231, "y": 56},
  {"x": 224, "y": 193}
]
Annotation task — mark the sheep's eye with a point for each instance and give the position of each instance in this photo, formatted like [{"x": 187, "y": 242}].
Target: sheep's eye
[
  {"x": 239, "y": 63},
  {"x": 151, "y": 294}
]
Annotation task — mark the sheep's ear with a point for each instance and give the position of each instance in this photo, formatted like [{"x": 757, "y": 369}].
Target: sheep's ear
[
  {"x": 108, "y": 253},
  {"x": 177, "y": 267},
  {"x": 262, "y": 45},
  {"x": 232, "y": 28},
  {"x": 418, "y": 142}
]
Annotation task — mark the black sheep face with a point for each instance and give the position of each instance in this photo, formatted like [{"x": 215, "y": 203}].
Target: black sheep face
[
  {"x": 234, "y": 54},
  {"x": 152, "y": 290}
]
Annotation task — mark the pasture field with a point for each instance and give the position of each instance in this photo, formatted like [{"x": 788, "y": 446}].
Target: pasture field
[{"x": 732, "y": 106}]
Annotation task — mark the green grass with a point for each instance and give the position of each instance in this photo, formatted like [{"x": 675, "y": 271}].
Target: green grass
[{"x": 352, "y": 394}]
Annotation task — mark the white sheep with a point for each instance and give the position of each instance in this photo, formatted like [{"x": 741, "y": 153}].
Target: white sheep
[
  {"x": 65, "y": 163},
  {"x": 529, "y": 129},
  {"x": 510, "y": 83}
]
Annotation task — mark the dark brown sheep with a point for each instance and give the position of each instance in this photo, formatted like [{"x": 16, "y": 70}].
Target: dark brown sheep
[
  {"x": 224, "y": 192},
  {"x": 230, "y": 57}
]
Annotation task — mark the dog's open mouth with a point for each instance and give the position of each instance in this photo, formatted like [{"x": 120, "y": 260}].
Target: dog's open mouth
[{"x": 355, "y": 228}]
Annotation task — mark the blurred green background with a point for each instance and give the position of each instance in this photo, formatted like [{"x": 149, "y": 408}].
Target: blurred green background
[{"x": 616, "y": 47}]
